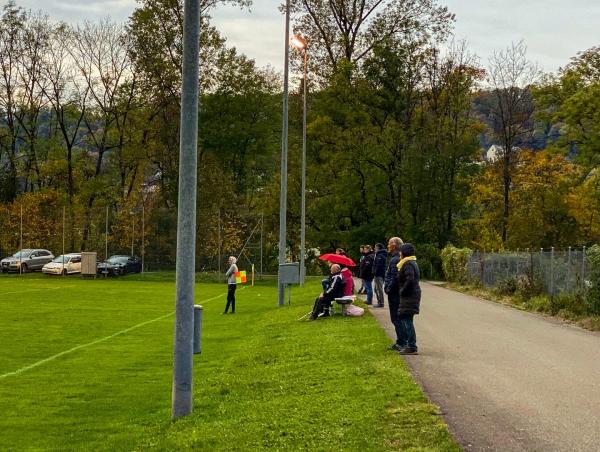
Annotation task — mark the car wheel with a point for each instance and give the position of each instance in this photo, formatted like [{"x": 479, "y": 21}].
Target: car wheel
[
  {"x": 4, "y": 270},
  {"x": 64, "y": 272},
  {"x": 24, "y": 268}
]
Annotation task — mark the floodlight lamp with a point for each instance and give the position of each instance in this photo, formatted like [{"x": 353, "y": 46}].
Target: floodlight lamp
[{"x": 299, "y": 42}]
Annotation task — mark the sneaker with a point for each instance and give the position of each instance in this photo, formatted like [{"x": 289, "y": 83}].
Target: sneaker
[
  {"x": 395, "y": 346},
  {"x": 378, "y": 306},
  {"x": 408, "y": 351}
]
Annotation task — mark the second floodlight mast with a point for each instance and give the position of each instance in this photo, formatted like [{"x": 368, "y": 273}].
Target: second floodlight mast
[
  {"x": 301, "y": 44},
  {"x": 284, "y": 158}
]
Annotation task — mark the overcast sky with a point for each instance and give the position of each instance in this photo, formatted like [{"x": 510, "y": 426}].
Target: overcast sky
[{"x": 554, "y": 30}]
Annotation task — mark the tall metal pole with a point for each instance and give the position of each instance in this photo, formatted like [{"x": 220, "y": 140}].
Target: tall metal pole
[
  {"x": 303, "y": 216},
  {"x": 21, "y": 243},
  {"x": 284, "y": 156},
  {"x": 262, "y": 227},
  {"x": 63, "y": 242},
  {"x": 106, "y": 236},
  {"x": 219, "y": 244},
  {"x": 132, "y": 231},
  {"x": 143, "y": 233},
  {"x": 186, "y": 215}
]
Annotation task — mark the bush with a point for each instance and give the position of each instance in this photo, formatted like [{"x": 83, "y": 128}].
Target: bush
[
  {"x": 528, "y": 287},
  {"x": 592, "y": 296},
  {"x": 507, "y": 286},
  {"x": 429, "y": 260},
  {"x": 454, "y": 263},
  {"x": 568, "y": 303}
]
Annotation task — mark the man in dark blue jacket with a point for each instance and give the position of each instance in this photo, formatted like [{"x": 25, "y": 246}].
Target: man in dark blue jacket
[
  {"x": 379, "y": 272},
  {"x": 391, "y": 289}
]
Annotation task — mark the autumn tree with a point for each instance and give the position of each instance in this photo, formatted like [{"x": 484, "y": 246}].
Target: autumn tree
[
  {"x": 350, "y": 29},
  {"x": 510, "y": 78}
]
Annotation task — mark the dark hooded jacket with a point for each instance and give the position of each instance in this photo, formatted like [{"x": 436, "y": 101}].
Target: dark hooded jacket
[
  {"x": 390, "y": 283},
  {"x": 366, "y": 267},
  {"x": 379, "y": 264},
  {"x": 408, "y": 283}
]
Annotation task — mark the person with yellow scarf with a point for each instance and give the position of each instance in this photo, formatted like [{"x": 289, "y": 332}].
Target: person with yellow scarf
[{"x": 410, "y": 299}]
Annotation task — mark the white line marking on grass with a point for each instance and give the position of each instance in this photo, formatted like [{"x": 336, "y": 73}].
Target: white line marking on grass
[
  {"x": 35, "y": 290},
  {"x": 97, "y": 341}
]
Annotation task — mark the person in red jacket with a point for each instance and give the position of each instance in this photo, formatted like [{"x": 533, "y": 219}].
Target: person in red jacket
[{"x": 349, "y": 280}]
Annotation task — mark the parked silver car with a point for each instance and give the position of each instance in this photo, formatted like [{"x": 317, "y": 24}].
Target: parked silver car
[{"x": 26, "y": 260}]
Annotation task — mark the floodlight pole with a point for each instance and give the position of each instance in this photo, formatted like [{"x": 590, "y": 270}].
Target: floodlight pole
[
  {"x": 303, "y": 197},
  {"x": 186, "y": 215},
  {"x": 106, "y": 235},
  {"x": 63, "y": 242},
  {"x": 132, "y": 232},
  {"x": 143, "y": 232},
  {"x": 284, "y": 156},
  {"x": 21, "y": 243}
]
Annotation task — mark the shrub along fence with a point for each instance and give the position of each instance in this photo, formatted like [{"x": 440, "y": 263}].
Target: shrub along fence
[{"x": 574, "y": 272}]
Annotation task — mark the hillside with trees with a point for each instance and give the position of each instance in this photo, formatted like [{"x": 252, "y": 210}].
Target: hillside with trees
[{"x": 399, "y": 118}]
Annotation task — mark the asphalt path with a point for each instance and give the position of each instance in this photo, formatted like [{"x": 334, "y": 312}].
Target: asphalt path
[{"x": 504, "y": 379}]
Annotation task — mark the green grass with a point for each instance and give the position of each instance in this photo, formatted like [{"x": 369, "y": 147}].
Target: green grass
[{"x": 264, "y": 379}]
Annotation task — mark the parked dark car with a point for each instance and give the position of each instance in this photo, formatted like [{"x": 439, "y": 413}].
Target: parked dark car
[
  {"x": 26, "y": 260},
  {"x": 119, "y": 265}
]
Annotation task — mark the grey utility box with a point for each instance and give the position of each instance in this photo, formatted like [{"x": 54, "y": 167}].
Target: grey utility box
[
  {"x": 88, "y": 265},
  {"x": 290, "y": 273}
]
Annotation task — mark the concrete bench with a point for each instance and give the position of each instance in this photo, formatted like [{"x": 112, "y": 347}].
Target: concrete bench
[{"x": 345, "y": 301}]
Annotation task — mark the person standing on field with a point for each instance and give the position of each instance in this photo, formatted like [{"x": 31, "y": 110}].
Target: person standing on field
[
  {"x": 379, "y": 262},
  {"x": 409, "y": 291},
  {"x": 231, "y": 284},
  {"x": 363, "y": 252},
  {"x": 366, "y": 273},
  {"x": 391, "y": 289}
]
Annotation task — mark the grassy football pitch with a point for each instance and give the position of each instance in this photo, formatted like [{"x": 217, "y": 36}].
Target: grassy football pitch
[{"x": 87, "y": 365}]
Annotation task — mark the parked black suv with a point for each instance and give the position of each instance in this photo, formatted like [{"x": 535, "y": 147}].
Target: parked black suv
[{"x": 119, "y": 265}]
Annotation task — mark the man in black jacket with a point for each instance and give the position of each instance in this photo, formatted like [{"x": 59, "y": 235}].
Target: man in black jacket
[
  {"x": 335, "y": 290},
  {"x": 409, "y": 291},
  {"x": 390, "y": 287},
  {"x": 379, "y": 272}
]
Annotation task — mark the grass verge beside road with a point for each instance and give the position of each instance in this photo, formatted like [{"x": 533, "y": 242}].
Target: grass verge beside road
[
  {"x": 567, "y": 307},
  {"x": 264, "y": 379}
]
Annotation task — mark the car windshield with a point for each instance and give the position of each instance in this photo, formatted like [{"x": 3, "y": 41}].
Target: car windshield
[
  {"x": 59, "y": 259},
  {"x": 117, "y": 260},
  {"x": 23, "y": 253}
]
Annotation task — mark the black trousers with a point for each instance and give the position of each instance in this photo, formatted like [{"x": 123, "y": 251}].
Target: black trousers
[
  {"x": 231, "y": 297},
  {"x": 319, "y": 307}
]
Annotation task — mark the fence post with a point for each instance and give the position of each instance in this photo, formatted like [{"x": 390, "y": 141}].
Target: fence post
[
  {"x": 552, "y": 272},
  {"x": 569, "y": 271},
  {"x": 482, "y": 267},
  {"x": 530, "y": 270},
  {"x": 583, "y": 270},
  {"x": 542, "y": 268}
]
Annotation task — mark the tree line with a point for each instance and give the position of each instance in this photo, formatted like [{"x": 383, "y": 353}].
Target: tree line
[{"x": 399, "y": 113}]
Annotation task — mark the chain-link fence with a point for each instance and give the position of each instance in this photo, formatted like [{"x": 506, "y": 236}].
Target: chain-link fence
[
  {"x": 144, "y": 231},
  {"x": 554, "y": 271}
]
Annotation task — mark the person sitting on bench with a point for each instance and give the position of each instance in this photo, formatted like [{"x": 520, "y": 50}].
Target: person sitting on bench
[{"x": 335, "y": 290}]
